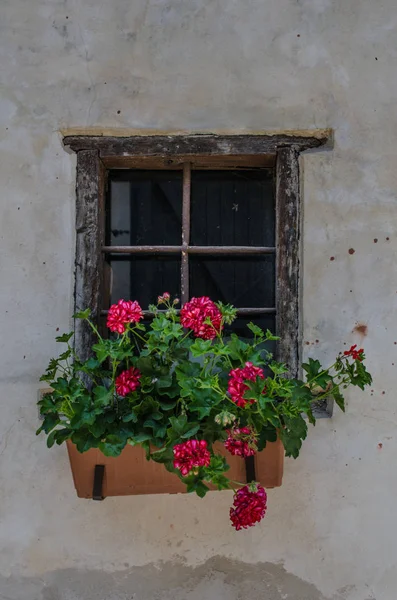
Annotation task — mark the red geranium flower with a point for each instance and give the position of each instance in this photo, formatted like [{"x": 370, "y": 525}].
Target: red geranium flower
[
  {"x": 237, "y": 386},
  {"x": 128, "y": 381},
  {"x": 241, "y": 442},
  {"x": 355, "y": 354},
  {"x": 190, "y": 454},
  {"x": 125, "y": 311},
  {"x": 195, "y": 313},
  {"x": 249, "y": 506}
]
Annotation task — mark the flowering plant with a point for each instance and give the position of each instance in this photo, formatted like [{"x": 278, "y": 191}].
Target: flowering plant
[{"x": 178, "y": 385}]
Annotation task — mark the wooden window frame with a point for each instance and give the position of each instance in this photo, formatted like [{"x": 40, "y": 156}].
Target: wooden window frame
[{"x": 97, "y": 154}]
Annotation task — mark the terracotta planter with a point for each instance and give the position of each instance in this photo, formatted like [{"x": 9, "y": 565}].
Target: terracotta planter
[{"x": 130, "y": 473}]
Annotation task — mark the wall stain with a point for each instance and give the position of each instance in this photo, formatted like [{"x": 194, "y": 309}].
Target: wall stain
[
  {"x": 361, "y": 329},
  {"x": 218, "y": 577}
]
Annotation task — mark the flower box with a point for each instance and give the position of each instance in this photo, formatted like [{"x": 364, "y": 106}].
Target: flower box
[
  {"x": 131, "y": 474},
  {"x": 211, "y": 410}
]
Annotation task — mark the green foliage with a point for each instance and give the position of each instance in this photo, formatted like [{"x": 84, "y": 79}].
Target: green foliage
[{"x": 183, "y": 392}]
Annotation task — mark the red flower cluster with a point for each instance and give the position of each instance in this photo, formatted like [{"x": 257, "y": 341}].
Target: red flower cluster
[
  {"x": 241, "y": 442},
  {"x": 355, "y": 354},
  {"x": 195, "y": 313},
  {"x": 125, "y": 311},
  {"x": 237, "y": 386},
  {"x": 249, "y": 507},
  {"x": 191, "y": 454},
  {"x": 128, "y": 381}
]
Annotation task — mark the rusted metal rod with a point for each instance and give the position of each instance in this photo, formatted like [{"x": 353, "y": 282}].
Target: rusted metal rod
[
  {"x": 142, "y": 249},
  {"x": 232, "y": 250},
  {"x": 187, "y": 180},
  {"x": 240, "y": 312}
]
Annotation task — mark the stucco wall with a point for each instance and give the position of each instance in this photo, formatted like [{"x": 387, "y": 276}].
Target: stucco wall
[{"x": 197, "y": 65}]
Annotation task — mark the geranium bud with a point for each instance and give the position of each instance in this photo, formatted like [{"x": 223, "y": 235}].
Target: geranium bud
[{"x": 225, "y": 418}]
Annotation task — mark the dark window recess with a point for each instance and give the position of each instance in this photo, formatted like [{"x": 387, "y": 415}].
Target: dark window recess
[
  {"x": 143, "y": 278},
  {"x": 145, "y": 208},
  {"x": 243, "y": 281},
  {"x": 193, "y": 233},
  {"x": 232, "y": 208}
]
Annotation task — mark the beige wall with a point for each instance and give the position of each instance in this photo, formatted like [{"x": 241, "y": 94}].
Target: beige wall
[{"x": 197, "y": 65}]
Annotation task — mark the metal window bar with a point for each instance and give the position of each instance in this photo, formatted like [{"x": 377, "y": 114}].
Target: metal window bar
[{"x": 185, "y": 249}]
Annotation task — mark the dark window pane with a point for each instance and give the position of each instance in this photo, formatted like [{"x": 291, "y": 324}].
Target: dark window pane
[
  {"x": 144, "y": 278},
  {"x": 144, "y": 208},
  {"x": 243, "y": 281},
  {"x": 232, "y": 208}
]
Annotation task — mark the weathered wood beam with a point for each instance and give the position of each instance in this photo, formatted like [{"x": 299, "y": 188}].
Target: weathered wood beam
[
  {"x": 89, "y": 239},
  {"x": 171, "y": 145},
  {"x": 288, "y": 257}
]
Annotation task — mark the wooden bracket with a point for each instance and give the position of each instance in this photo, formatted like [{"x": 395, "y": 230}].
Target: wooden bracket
[{"x": 99, "y": 472}]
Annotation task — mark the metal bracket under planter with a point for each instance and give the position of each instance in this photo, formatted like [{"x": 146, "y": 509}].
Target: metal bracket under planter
[
  {"x": 97, "y": 476},
  {"x": 97, "y": 493}
]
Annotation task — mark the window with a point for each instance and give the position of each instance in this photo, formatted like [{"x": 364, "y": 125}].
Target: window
[
  {"x": 240, "y": 231},
  {"x": 193, "y": 232}
]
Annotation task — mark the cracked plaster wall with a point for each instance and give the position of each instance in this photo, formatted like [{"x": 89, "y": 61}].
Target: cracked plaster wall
[{"x": 202, "y": 65}]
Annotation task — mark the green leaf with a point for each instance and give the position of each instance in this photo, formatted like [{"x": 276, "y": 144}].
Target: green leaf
[
  {"x": 164, "y": 455},
  {"x": 144, "y": 364},
  {"x": 98, "y": 428},
  {"x": 179, "y": 424},
  {"x": 82, "y": 314},
  {"x": 83, "y": 416},
  {"x": 166, "y": 405},
  {"x": 50, "y": 421},
  {"x": 267, "y": 412},
  {"x": 267, "y": 434},
  {"x": 200, "y": 347},
  {"x": 65, "y": 355},
  {"x": 301, "y": 397},
  {"x": 292, "y": 434},
  {"x": 47, "y": 404},
  {"x": 84, "y": 441},
  {"x": 91, "y": 364},
  {"x": 51, "y": 439},
  {"x": 113, "y": 445},
  {"x": 130, "y": 417},
  {"x": 312, "y": 367},
  {"x": 61, "y": 386},
  {"x": 338, "y": 397},
  {"x": 196, "y": 485},
  {"x": 102, "y": 351},
  {"x": 190, "y": 432},
  {"x": 278, "y": 368},
  {"x": 62, "y": 435},
  {"x": 103, "y": 396},
  {"x": 310, "y": 416},
  {"x": 139, "y": 438},
  {"x": 270, "y": 337},
  {"x": 201, "y": 489},
  {"x": 257, "y": 331},
  {"x": 64, "y": 337}
]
